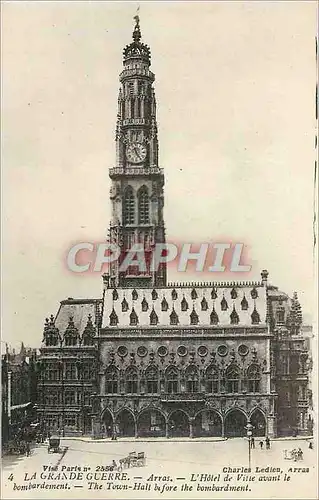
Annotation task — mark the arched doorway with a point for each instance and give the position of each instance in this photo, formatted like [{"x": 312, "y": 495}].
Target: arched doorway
[
  {"x": 125, "y": 424},
  {"x": 207, "y": 423},
  {"x": 235, "y": 423},
  {"x": 107, "y": 424},
  {"x": 178, "y": 424},
  {"x": 258, "y": 421},
  {"x": 151, "y": 423}
]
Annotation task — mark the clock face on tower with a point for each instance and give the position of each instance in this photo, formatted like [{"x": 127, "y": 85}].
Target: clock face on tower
[{"x": 136, "y": 152}]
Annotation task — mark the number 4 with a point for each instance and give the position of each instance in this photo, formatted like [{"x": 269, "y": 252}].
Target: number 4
[{"x": 10, "y": 477}]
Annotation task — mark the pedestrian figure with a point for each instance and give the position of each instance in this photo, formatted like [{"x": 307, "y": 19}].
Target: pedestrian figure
[
  {"x": 252, "y": 443},
  {"x": 267, "y": 443},
  {"x": 114, "y": 465},
  {"x": 299, "y": 454},
  {"x": 27, "y": 449},
  {"x": 261, "y": 444},
  {"x": 310, "y": 446}
]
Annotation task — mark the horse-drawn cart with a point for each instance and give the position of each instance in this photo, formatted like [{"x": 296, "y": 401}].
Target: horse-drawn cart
[
  {"x": 133, "y": 460},
  {"x": 54, "y": 444}
]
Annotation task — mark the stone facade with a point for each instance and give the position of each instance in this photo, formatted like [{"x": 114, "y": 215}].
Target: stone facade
[{"x": 153, "y": 359}]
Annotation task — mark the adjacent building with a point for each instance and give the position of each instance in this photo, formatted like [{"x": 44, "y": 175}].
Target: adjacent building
[{"x": 152, "y": 358}]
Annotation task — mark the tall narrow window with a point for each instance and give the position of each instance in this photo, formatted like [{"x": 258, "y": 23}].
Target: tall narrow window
[
  {"x": 253, "y": 375},
  {"x": 212, "y": 379},
  {"x": 131, "y": 380},
  {"x": 151, "y": 380},
  {"x": 192, "y": 379},
  {"x": 172, "y": 380},
  {"x": 129, "y": 209},
  {"x": 111, "y": 380},
  {"x": 143, "y": 206},
  {"x": 232, "y": 377}
]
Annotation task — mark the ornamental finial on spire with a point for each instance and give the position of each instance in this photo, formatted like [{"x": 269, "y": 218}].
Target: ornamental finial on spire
[{"x": 137, "y": 31}]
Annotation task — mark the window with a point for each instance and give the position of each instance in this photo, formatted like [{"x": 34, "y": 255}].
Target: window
[
  {"x": 204, "y": 304},
  {"x": 52, "y": 371},
  {"x": 87, "y": 371},
  {"x": 153, "y": 318},
  {"x": 52, "y": 421},
  {"x": 234, "y": 318},
  {"x": 133, "y": 318},
  {"x": 212, "y": 380},
  {"x": 164, "y": 304},
  {"x": 184, "y": 304},
  {"x": 194, "y": 294},
  {"x": 172, "y": 380},
  {"x": 70, "y": 371},
  {"x": 233, "y": 294},
  {"x": 255, "y": 318},
  {"x": 223, "y": 304},
  {"x": 244, "y": 304},
  {"x": 232, "y": 379},
  {"x": 253, "y": 375},
  {"x": 174, "y": 295},
  {"x": 280, "y": 315},
  {"x": 113, "y": 318},
  {"x": 129, "y": 207},
  {"x": 154, "y": 294},
  {"x": 70, "y": 340},
  {"x": 194, "y": 318},
  {"x": 131, "y": 381},
  {"x": 70, "y": 420},
  {"x": 111, "y": 379},
  {"x": 192, "y": 379},
  {"x": 152, "y": 380},
  {"x": 51, "y": 399},
  {"x": 214, "y": 317},
  {"x": 52, "y": 340},
  {"x": 144, "y": 305},
  {"x": 124, "y": 305},
  {"x": 69, "y": 398},
  {"x": 87, "y": 340},
  {"x": 173, "y": 318},
  {"x": 143, "y": 206}
]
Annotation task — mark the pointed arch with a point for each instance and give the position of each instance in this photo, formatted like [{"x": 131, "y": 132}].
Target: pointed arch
[
  {"x": 143, "y": 205},
  {"x": 171, "y": 379},
  {"x": 192, "y": 379},
  {"x": 207, "y": 423},
  {"x": 178, "y": 423},
  {"x": 212, "y": 379},
  {"x": 129, "y": 206},
  {"x": 151, "y": 376},
  {"x": 125, "y": 423},
  {"x": 111, "y": 380},
  {"x": 107, "y": 421},
  {"x": 232, "y": 378},
  {"x": 151, "y": 422},
  {"x": 131, "y": 380},
  {"x": 253, "y": 378},
  {"x": 258, "y": 421},
  {"x": 235, "y": 423}
]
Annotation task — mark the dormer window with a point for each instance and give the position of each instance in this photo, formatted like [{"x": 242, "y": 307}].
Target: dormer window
[
  {"x": 184, "y": 304},
  {"x": 124, "y": 305},
  {"x": 133, "y": 318},
  {"x": 244, "y": 304},
  {"x": 194, "y": 318},
  {"x": 164, "y": 304},
  {"x": 204, "y": 304}
]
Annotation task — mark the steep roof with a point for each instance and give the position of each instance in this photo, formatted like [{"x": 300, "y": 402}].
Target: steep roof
[
  {"x": 225, "y": 299},
  {"x": 79, "y": 310}
]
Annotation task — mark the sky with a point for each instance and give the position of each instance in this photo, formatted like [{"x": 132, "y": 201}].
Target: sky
[{"x": 235, "y": 88}]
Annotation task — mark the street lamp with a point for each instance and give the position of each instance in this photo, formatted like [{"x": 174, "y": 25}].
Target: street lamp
[{"x": 249, "y": 429}]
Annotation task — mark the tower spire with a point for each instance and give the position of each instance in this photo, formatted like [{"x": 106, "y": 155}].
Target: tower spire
[{"x": 137, "y": 32}]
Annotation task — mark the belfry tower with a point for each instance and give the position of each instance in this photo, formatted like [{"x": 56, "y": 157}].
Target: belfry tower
[{"x": 137, "y": 181}]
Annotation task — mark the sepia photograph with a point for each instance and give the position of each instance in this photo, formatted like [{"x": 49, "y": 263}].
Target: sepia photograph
[{"x": 159, "y": 249}]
